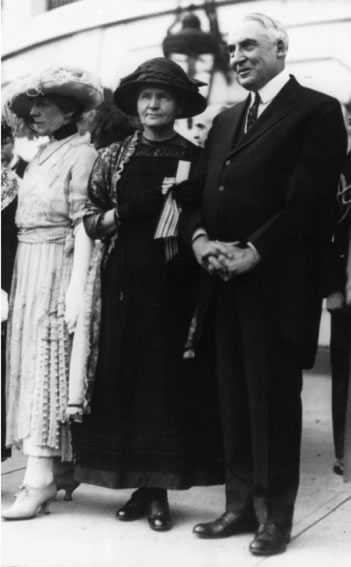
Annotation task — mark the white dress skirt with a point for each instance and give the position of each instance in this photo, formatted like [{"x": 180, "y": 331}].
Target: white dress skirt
[{"x": 51, "y": 202}]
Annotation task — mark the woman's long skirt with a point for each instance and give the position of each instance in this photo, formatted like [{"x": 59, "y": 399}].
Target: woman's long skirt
[
  {"x": 38, "y": 347},
  {"x": 154, "y": 418}
]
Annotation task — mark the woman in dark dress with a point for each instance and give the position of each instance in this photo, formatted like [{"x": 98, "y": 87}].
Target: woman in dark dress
[{"x": 153, "y": 422}]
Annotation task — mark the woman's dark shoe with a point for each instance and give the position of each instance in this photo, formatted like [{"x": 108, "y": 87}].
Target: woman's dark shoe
[
  {"x": 64, "y": 478},
  {"x": 135, "y": 508},
  {"x": 159, "y": 516},
  {"x": 69, "y": 485}
]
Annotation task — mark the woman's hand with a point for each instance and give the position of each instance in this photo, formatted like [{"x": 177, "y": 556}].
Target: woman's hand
[{"x": 4, "y": 305}]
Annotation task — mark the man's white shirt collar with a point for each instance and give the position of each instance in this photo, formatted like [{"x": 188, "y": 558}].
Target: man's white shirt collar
[{"x": 272, "y": 88}]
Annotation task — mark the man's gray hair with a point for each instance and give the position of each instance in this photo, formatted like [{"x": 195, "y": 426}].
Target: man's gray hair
[{"x": 275, "y": 28}]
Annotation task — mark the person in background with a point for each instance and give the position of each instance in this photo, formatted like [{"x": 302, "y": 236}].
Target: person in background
[
  {"x": 109, "y": 125},
  {"x": 9, "y": 189},
  {"x": 266, "y": 219},
  {"x": 49, "y": 276},
  {"x": 8, "y": 158},
  {"x": 201, "y": 125},
  {"x": 340, "y": 338},
  {"x": 153, "y": 421}
]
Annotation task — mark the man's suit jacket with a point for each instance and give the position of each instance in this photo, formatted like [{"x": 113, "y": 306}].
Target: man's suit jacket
[
  {"x": 338, "y": 260},
  {"x": 276, "y": 188}
]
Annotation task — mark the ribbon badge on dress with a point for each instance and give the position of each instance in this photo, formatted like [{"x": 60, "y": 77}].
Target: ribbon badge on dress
[{"x": 167, "y": 227}]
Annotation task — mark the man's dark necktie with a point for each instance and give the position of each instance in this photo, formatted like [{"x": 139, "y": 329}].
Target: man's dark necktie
[{"x": 252, "y": 114}]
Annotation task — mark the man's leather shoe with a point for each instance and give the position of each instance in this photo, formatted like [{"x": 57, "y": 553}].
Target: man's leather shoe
[
  {"x": 338, "y": 467},
  {"x": 158, "y": 515},
  {"x": 270, "y": 539},
  {"x": 226, "y": 525},
  {"x": 135, "y": 508}
]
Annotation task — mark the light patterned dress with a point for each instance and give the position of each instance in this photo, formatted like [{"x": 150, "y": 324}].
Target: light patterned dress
[{"x": 50, "y": 204}]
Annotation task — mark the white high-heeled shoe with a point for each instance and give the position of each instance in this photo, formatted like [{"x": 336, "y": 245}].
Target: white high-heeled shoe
[{"x": 30, "y": 502}]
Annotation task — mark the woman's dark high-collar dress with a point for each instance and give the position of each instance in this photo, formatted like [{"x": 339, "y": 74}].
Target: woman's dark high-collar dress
[{"x": 154, "y": 416}]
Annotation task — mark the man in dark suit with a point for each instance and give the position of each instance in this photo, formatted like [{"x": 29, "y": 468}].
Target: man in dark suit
[
  {"x": 266, "y": 219},
  {"x": 340, "y": 312}
]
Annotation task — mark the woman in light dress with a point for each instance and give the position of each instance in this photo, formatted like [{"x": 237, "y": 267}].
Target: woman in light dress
[{"x": 49, "y": 276}]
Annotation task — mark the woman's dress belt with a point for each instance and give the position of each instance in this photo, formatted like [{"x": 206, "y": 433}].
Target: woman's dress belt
[{"x": 51, "y": 234}]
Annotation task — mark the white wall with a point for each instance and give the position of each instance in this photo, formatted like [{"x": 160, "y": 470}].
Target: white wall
[{"x": 319, "y": 54}]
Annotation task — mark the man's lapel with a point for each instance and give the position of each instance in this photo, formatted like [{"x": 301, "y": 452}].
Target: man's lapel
[
  {"x": 224, "y": 144},
  {"x": 280, "y": 107}
]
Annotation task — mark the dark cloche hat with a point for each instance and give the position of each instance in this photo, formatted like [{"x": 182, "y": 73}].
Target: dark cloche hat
[{"x": 166, "y": 73}]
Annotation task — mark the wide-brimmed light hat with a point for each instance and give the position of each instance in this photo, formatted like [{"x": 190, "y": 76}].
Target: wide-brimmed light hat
[
  {"x": 55, "y": 80},
  {"x": 165, "y": 73}
]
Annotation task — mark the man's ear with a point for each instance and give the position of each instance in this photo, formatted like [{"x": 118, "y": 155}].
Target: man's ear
[{"x": 281, "y": 49}]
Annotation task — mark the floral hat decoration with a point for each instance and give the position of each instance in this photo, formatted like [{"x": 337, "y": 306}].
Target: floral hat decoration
[{"x": 59, "y": 80}]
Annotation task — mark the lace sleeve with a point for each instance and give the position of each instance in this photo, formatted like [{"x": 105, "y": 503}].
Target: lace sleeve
[{"x": 100, "y": 197}]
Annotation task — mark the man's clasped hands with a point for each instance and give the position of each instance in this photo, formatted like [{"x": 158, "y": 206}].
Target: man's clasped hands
[{"x": 226, "y": 260}]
